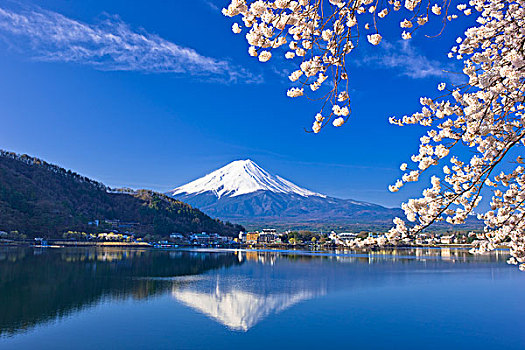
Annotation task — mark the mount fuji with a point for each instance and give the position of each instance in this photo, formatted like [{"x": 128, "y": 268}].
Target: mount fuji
[{"x": 244, "y": 192}]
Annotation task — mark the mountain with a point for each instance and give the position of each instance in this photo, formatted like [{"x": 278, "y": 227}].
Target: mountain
[
  {"x": 38, "y": 198},
  {"x": 241, "y": 177},
  {"x": 244, "y": 192}
]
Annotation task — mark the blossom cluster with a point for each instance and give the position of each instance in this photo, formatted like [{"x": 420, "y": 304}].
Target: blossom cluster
[
  {"x": 486, "y": 116},
  {"x": 318, "y": 35}
]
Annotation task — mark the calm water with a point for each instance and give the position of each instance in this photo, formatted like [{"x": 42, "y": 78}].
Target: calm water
[{"x": 136, "y": 299}]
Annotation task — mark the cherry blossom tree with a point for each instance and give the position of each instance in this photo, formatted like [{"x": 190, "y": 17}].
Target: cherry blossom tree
[{"x": 484, "y": 115}]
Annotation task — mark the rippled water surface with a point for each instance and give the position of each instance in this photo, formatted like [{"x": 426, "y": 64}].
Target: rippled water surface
[{"x": 138, "y": 299}]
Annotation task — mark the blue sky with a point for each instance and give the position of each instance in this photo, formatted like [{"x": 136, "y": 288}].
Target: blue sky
[{"x": 189, "y": 99}]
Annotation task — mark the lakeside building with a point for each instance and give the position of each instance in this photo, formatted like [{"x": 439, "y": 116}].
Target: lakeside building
[
  {"x": 222, "y": 239},
  {"x": 242, "y": 237},
  {"x": 347, "y": 235},
  {"x": 113, "y": 236},
  {"x": 449, "y": 239},
  {"x": 252, "y": 237},
  {"x": 267, "y": 237},
  {"x": 178, "y": 236},
  {"x": 269, "y": 231},
  {"x": 342, "y": 238},
  {"x": 426, "y": 239},
  {"x": 200, "y": 238},
  {"x": 209, "y": 239}
]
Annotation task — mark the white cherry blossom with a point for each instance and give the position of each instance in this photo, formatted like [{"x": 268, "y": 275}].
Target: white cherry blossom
[{"x": 485, "y": 115}]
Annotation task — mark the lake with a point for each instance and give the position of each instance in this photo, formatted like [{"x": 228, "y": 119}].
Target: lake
[{"x": 95, "y": 298}]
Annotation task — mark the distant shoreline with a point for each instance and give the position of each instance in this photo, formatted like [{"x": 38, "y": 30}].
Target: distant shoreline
[{"x": 73, "y": 244}]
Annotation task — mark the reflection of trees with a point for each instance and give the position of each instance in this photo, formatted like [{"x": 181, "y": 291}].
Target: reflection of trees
[
  {"x": 376, "y": 256},
  {"x": 37, "y": 285},
  {"x": 40, "y": 285}
]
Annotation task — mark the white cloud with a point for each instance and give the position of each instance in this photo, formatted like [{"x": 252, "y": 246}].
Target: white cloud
[
  {"x": 108, "y": 45},
  {"x": 213, "y": 6},
  {"x": 406, "y": 60}
]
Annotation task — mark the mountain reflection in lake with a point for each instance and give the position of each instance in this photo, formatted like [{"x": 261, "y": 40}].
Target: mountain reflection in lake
[{"x": 127, "y": 298}]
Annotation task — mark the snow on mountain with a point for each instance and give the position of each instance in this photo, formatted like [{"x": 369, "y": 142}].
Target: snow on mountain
[
  {"x": 244, "y": 192},
  {"x": 241, "y": 177}
]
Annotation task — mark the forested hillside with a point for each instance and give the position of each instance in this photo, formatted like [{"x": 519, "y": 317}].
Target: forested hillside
[{"x": 38, "y": 198}]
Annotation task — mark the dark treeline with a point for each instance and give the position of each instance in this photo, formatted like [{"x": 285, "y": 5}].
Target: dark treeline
[{"x": 41, "y": 199}]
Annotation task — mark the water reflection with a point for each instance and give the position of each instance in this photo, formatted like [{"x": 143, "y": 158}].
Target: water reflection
[
  {"x": 39, "y": 285},
  {"x": 274, "y": 281},
  {"x": 238, "y": 309},
  {"x": 241, "y": 298},
  {"x": 238, "y": 289}
]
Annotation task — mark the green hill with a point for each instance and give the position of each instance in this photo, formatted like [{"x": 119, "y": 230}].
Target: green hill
[{"x": 42, "y": 199}]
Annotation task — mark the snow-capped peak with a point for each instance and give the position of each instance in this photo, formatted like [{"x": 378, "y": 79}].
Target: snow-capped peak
[{"x": 241, "y": 177}]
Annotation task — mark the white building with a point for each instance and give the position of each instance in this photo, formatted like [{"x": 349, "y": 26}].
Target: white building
[
  {"x": 448, "y": 239},
  {"x": 342, "y": 238},
  {"x": 242, "y": 237},
  {"x": 347, "y": 235}
]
